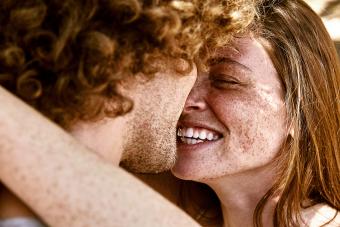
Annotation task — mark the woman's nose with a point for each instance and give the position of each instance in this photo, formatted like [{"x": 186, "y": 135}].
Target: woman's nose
[{"x": 196, "y": 99}]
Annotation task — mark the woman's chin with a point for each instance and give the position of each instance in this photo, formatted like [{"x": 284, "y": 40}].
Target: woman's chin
[{"x": 183, "y": 173}]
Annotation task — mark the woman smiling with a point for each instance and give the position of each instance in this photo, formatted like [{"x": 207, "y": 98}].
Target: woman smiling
[{"x": 261, "y": 126}]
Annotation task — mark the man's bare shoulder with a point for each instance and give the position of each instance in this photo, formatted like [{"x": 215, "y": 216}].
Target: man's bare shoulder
[{"x": 321, "y": 215}]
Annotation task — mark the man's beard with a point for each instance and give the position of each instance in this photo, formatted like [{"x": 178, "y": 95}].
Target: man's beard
[{"x": 149, "y": 148}]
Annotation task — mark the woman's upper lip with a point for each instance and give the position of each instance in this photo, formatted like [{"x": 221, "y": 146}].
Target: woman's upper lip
[{"x": 197, "y": 124}]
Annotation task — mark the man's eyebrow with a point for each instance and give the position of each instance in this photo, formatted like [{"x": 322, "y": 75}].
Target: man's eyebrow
[{"x": 221, "y": 60}]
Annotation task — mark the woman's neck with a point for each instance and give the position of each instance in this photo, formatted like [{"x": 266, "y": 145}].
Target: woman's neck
[
  {"x": 240, "y": 193},
  {"x": 11, "y": 206}
]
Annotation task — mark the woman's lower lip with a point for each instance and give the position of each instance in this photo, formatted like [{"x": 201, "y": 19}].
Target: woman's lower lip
[{"x": 191, "y": 147}]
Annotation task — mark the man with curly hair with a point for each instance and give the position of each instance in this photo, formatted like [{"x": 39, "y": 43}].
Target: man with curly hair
[{"x": 114, "y": 75}]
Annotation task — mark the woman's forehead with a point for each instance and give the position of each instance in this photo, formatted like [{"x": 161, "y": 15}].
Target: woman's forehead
[
  {"x": 247, "y": 55},
  {"x": 239, "y": 47}
]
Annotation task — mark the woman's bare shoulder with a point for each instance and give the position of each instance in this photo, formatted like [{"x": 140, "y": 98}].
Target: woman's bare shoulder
[{"x": 321, "y": 215}]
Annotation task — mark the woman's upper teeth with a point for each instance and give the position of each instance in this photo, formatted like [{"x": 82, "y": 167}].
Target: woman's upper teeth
[{"x": 197, "y": 133}]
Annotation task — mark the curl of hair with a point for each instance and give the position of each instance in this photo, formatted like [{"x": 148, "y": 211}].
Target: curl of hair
[{"x": 66, "y": 58}]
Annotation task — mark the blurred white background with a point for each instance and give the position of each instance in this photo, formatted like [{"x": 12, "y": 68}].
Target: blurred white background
[{"x": 329, "y": 10}]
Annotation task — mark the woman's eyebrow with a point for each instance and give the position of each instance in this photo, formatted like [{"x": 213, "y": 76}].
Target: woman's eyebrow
[{"x": 225, "y": 60}]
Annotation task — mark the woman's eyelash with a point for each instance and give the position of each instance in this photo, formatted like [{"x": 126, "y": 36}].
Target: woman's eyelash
[
  {"x": 227, "y": 81},
  {"x": 223, "y": 80}
]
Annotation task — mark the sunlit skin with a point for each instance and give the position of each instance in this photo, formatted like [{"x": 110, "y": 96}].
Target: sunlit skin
[
  {"x": 241, "y": 100},
  {"x": 145, "y": 138},
  {"x": 149, "y": 137}
]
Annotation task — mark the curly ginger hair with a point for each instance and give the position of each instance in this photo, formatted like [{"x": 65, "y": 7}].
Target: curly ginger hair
[{"x": 65, "y": 58}]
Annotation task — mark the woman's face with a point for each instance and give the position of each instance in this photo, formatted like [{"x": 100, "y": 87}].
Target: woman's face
[{"x": 234, "y": 119}]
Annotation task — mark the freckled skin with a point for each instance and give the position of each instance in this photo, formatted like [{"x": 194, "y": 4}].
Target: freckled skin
[
  {"x": 149, "y": 137},
  {"x": 250, "y": 114},
  {"x": 146, "y": 136},
  {"x": 91, "y": 184}
]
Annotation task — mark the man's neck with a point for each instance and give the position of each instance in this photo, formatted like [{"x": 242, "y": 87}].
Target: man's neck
[
  {"x": 104, "y": 137},
  {"x": 239, "y": 195},
  {"x": 11, "y": 206}
]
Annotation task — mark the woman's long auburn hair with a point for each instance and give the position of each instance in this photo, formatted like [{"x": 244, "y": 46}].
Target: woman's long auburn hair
[
  {"x": 306, "y": 60},
  {"x": 307, "y": 63}
]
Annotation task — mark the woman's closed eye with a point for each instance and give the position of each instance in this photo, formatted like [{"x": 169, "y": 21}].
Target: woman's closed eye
[{"x": 223, "y": 81}]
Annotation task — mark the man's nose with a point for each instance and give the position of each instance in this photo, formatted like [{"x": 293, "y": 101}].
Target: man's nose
[{"x": 196, "y": 99}]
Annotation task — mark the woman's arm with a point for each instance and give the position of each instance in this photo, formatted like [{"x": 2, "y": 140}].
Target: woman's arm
[{"x": 68, "y": 185}]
